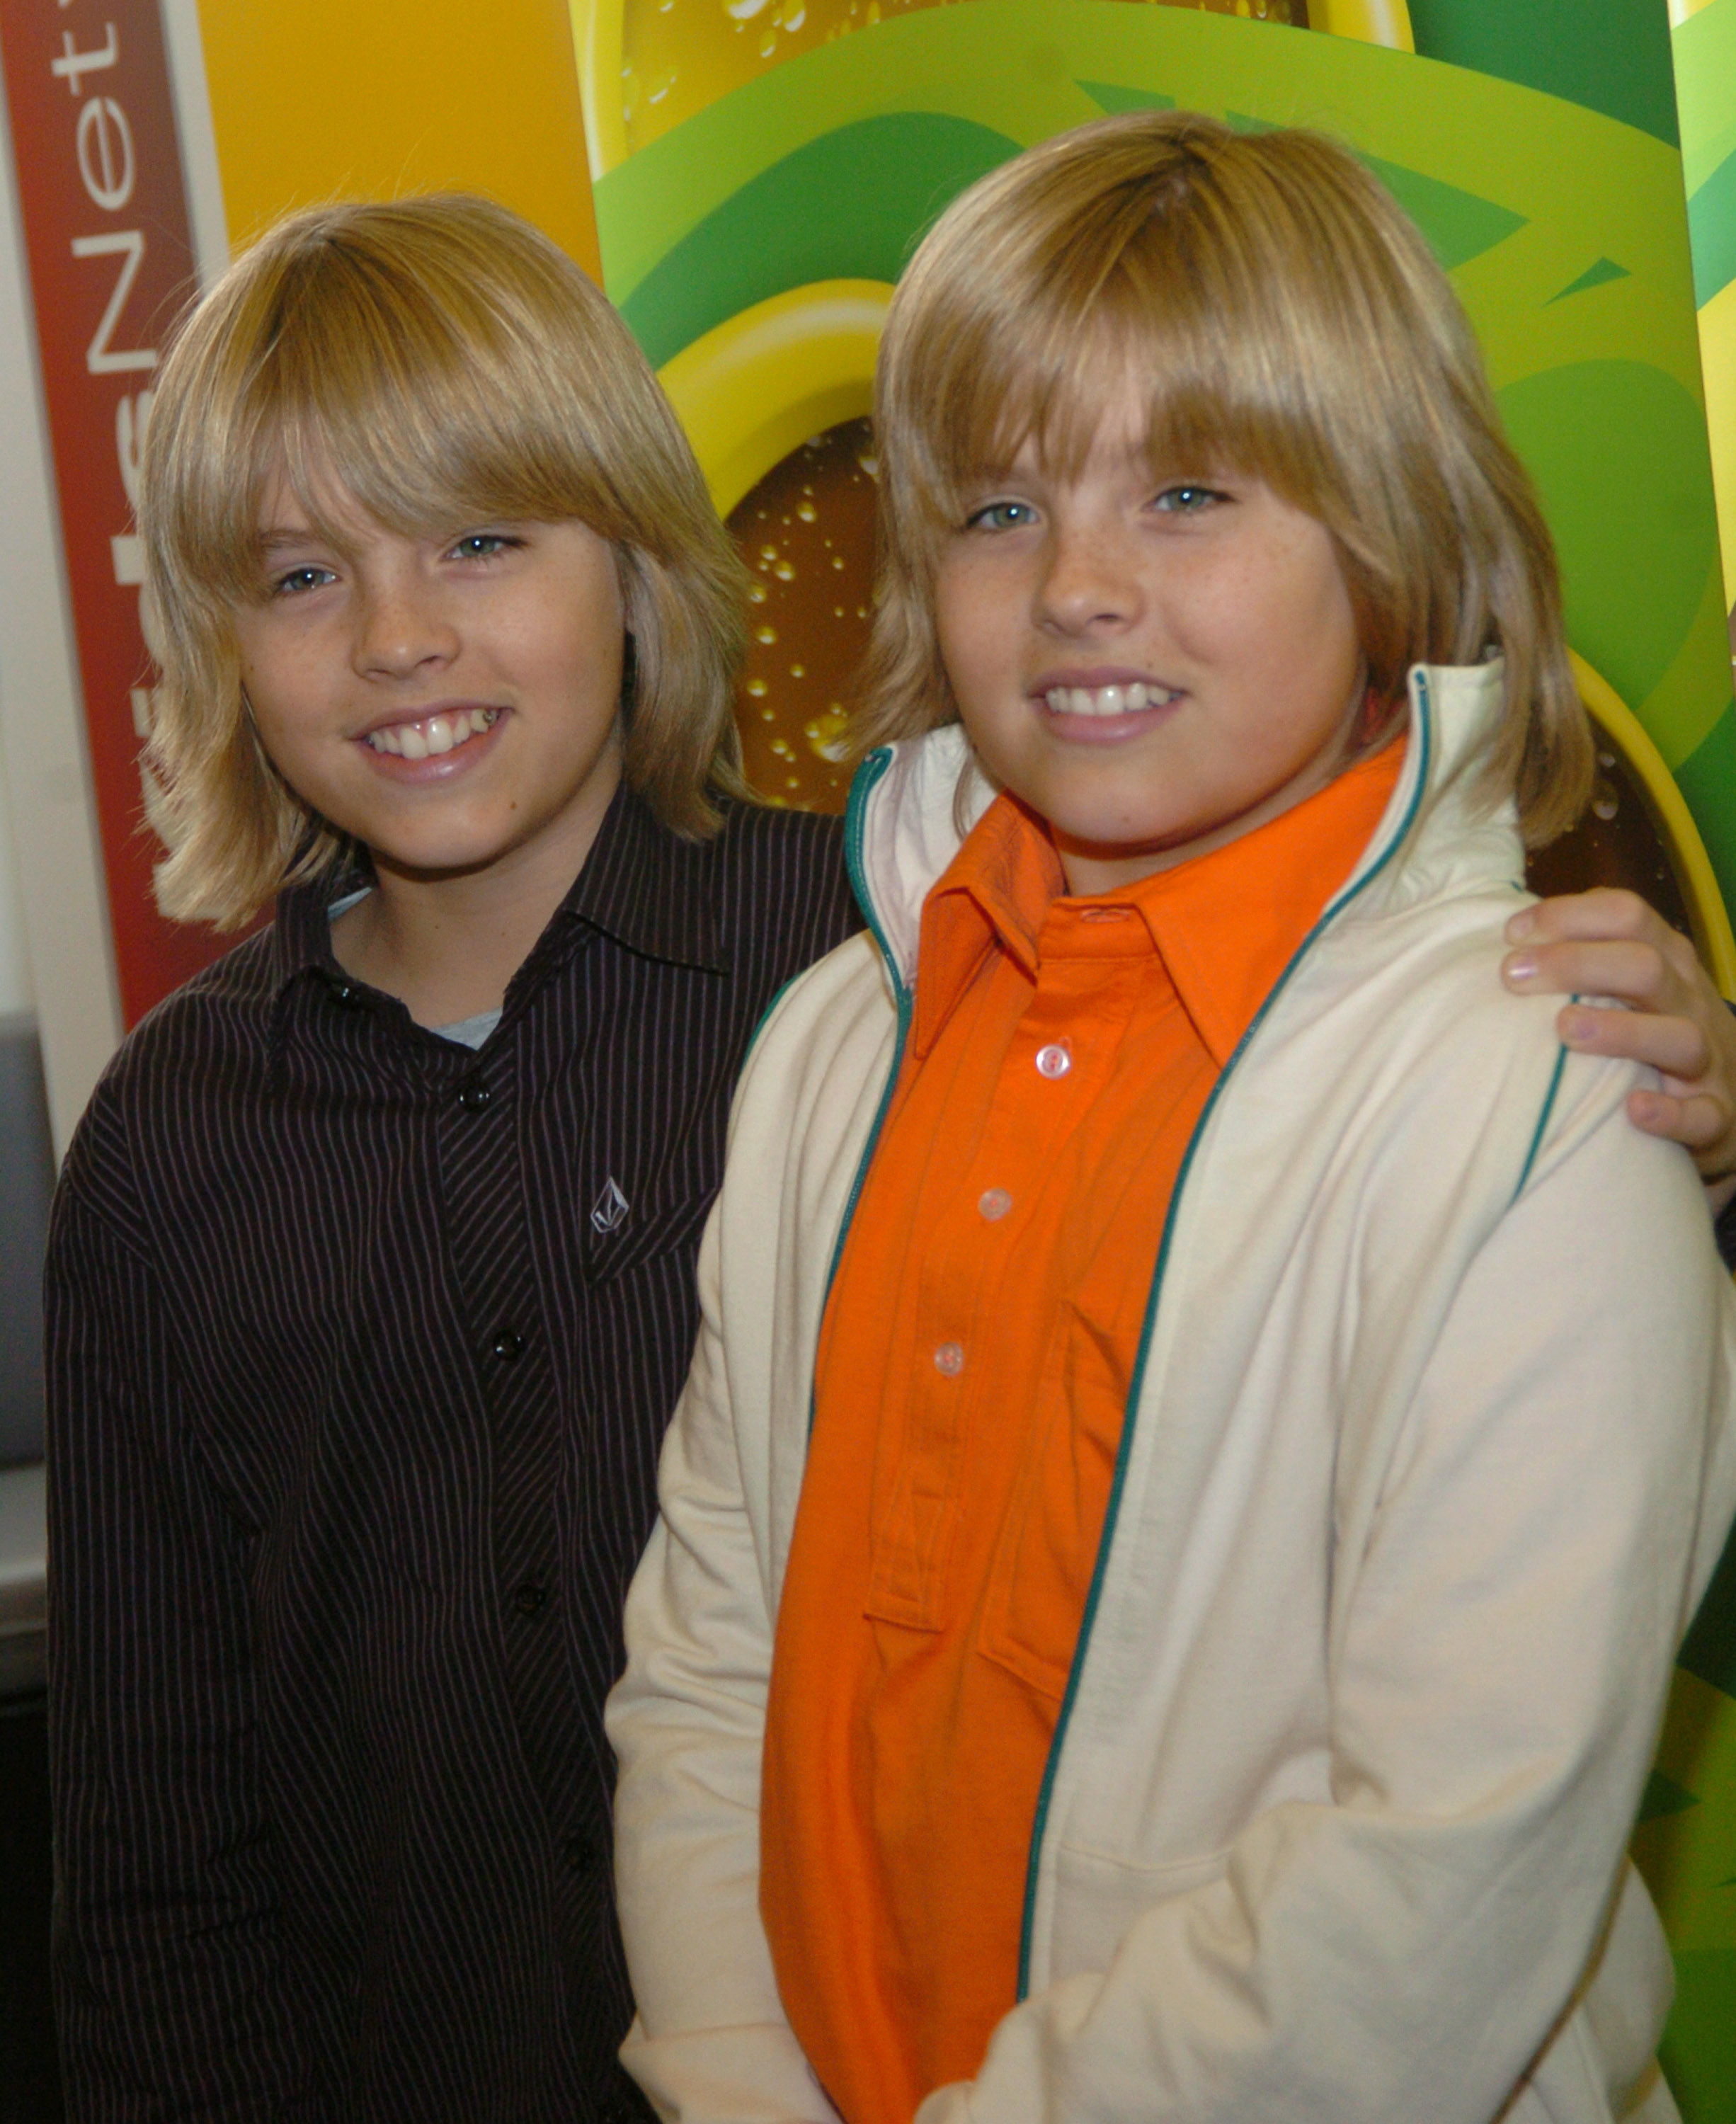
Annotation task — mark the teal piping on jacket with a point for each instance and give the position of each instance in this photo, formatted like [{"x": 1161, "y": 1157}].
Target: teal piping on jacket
[
  {"x": 766, "y": 1016},
  {"x": 866, "y": 779},
  {"x": 1117, "y": 1482},
  {"x": 1549, "y": 1107}
]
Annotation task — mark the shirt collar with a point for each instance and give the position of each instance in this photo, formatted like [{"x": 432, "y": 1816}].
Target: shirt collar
[
  {"x": 1225, "y": 924},
  {"x": 647, "y": 888},
  {"x": 641, "y": 885},
  {"x": 997, "y": 890}
]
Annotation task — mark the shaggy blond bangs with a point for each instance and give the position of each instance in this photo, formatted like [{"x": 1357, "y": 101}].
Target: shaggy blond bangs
[
  {"x": 1285, "y": 320},
  {"x": 448, "y": 366}
]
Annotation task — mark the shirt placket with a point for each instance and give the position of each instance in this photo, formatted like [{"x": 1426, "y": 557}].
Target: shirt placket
[
  {"x": 487, "y": 1220},
  {"x": 1058, "y": 1060}
]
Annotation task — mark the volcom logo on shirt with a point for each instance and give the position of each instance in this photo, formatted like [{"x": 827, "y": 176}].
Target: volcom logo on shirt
[{"x": 609, "y": 1212}]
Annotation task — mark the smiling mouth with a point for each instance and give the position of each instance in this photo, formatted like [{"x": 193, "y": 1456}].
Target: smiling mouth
[
  {"x": 1129, "y": 700},
  {"x": 430, "y": 735}
]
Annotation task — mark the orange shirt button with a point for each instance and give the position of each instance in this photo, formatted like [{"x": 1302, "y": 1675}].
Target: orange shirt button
[
  {"x": 949, "y": 1358},
  {"x": 995, "y": 1202},
  {"x": 1054, "y": 1060}
]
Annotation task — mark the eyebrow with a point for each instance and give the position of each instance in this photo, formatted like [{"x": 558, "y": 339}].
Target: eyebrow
[{"x": 274, "y": 542}]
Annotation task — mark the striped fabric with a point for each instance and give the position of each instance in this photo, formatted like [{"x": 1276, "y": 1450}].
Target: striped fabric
[{"x": 360, "y": 1348}]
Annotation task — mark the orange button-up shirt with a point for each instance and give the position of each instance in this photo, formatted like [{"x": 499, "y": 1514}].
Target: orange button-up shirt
[{"x": 976, "y": 1358}]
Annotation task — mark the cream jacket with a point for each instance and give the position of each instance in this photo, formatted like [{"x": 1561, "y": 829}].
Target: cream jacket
[{"x": 1428, "y": 1458}]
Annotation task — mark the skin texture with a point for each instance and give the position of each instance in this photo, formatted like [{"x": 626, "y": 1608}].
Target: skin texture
[
  {"x": 1208, "y": 583},
  {"x": 1196, "y": 581},
  {"x": 368, "y": 631},
  {"x": 1609, "y": 943},
  {"x": 472, "y": 866}
]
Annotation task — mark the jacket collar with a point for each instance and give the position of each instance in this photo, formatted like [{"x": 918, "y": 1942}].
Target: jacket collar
[
  {"x": 912, "y": 805},
  {"x": 641, "y": 885}
]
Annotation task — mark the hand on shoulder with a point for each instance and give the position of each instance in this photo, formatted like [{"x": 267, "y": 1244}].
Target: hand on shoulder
[{"x": 1609, "y": 943}]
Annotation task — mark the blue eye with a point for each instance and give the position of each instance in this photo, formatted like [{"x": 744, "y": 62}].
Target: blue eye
[
  {"x": 298, "y": 580},
  {"x": 1187, "y": 500},
  {"x": 1001, "y": 516},
  {"x": 482, "y": 545}
]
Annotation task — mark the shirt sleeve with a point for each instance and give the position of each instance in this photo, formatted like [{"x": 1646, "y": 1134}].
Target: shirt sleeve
[
  {"x": 687, "y": 1723},
  {"x": 1414, "y": 1945},
  {"x": 169, "y": 1974}
]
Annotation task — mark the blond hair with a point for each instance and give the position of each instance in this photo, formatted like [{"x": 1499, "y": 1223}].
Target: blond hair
[
  {"x": 1287, "y": 320},
  {"x": 448, "y": 364}
]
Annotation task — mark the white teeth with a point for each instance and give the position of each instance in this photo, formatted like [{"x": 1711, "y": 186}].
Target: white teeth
[
  {"x": 436, "y": 735},
  {"x": 1106, "y": 700}
]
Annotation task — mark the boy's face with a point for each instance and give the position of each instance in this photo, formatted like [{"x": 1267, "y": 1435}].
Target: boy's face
[
  {"x": 452, "y": 702},
  {"x": 1058, "y": 601}
]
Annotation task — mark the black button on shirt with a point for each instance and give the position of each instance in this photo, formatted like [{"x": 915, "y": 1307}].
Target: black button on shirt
[{"x": 318, "y": 1792}]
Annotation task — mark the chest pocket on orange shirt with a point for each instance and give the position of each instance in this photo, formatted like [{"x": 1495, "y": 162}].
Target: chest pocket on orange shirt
[{"x": 1035, "y": 1598}]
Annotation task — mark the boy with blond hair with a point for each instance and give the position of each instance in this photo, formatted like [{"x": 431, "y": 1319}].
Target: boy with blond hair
[
  {"x": 1209, "y": 1423},
  {"x": 370, "y": 1280}
]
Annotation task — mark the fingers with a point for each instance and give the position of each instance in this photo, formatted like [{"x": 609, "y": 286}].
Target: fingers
[
  {"x": 1698, "y": 1120},
  {"x": 1606, "y": 912},
  {"x": 1645, "y": 974},
  {"x": 1673, "y": 1046},
  {"x": 1693, "y": 1105},
  {"x": 1610, "y": 943},
  {"x": 1605, "y": 942}
]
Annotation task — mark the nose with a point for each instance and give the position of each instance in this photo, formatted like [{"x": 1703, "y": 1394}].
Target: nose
[
  {"x": 1090, "y": 579},
  {"x": 402, "y": 628}
]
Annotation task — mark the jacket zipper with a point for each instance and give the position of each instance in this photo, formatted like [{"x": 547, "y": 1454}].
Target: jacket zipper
[
  {"x": 868, "y": 778},
  {"x": 1129, "y": 1414}
]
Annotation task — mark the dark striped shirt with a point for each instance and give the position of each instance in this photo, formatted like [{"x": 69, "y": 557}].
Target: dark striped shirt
[{"x": 361, "y": 1346}]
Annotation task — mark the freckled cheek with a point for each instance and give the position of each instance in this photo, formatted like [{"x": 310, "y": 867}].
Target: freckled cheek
[
  {"x": 977, "y": 616},
  {"x": 295, "y": 709}
]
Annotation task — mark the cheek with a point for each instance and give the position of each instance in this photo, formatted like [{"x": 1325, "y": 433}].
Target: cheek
[
  {"x": 973, "y": 631},
  {"x": 1288, "y": 624},
  {"x": 267, "y": 685},
  {"x": 584, "y": 665},
  {"x": 1316, "y": 600},
  {"x": 288, "y": 690},
  {"x": 247, "y": 655},
  {"x": 576, "y": 641},
  {"x": 950, "y": 614},
  {"x": 286, "y": 737}
]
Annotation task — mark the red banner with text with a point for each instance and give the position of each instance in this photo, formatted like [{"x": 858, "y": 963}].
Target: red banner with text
[{"x": 103, "y": 207}]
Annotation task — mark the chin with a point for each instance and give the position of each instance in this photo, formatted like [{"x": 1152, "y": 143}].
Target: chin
[
  {"x": 1112, "y": 837},
  {"x": 440, "y": 857}
]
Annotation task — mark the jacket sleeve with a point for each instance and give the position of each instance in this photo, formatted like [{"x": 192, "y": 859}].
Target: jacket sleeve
[
  {"x": 711, "y": 2044},
  {"x": 168, "y": 1981},
  {"x": 1415, "y": 1946}
]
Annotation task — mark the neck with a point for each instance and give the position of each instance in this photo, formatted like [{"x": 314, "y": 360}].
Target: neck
[{"x": 447, "y": 943}]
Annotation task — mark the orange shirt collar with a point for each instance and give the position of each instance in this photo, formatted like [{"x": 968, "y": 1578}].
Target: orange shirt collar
[{"x": 1225, "y": 924}]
